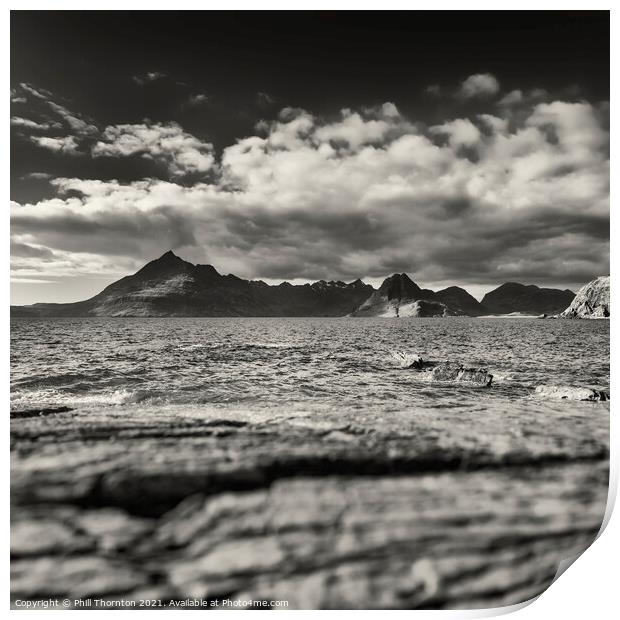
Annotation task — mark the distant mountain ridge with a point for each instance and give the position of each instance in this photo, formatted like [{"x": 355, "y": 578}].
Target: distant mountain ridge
[
  {"x": 171, "y": 286},
  {"x": 526, "y": 299}
]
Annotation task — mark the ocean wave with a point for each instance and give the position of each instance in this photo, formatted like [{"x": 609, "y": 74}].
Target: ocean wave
[
  {"x": 122, "y": 397},
  {"x": 503, "y": 377},
  {"x": 270, "y": 345},
  {"x": 53, "y": 397},
  {"x": 244, "y": 346},
  {"x": 116, "y": 397},
  {"x": 195, "y": 347}
]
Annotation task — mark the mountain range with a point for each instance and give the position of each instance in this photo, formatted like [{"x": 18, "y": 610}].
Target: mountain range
[{"x": 171, "y": 286}]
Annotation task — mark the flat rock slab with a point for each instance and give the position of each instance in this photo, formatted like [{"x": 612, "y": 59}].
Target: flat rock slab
[
  {"x": 455, "y": 372},
  {"x": 323, "y": 511},
  {"x": 567, "y": 392},
  {"x": 34, "y": 413}
]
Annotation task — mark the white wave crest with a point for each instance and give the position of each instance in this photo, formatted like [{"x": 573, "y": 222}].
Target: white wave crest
[{"x": 405, "y": 360}]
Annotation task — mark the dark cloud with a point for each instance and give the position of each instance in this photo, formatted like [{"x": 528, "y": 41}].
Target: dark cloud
[
  {"x": 135, "y": 233},
  {"x": 29, "y": 251}
]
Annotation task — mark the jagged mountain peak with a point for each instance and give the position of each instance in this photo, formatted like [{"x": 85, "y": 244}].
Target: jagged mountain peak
[
  {"x": 399, "y": 286},
  {"x": 168, "y": 258},
  {"x": 400, "y": 296},
  {"x": 211, "y": 271},
  {"x": 167, "y": 263}
]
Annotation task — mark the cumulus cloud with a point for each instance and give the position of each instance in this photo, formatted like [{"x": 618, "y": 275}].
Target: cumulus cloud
[
  {"x": 460, "y": 132},
  {"x": 479, "y": 85},
  {"x": 353, "y": 130},
  {"x": 180, "y": 151},
  {"x": 518, "y": 97},
  {"x": 470, "y": 200}
]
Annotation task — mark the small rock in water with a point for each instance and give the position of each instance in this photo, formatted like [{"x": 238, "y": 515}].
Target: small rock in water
[
  {"x": 454, "y": 371},
  {"x": 409, "y": 360},
  {"x": 565, "y": 392}
]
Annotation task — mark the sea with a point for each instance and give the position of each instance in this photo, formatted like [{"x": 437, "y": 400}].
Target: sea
[{"x": 310, "y": 364}]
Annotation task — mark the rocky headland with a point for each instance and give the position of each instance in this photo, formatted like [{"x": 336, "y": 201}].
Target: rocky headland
[
  {"x": 513, "y": 297},
  {"x": 591, "y": 302}
]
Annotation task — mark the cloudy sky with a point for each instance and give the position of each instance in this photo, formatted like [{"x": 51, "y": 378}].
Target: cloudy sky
[{"x": 468, "y": 149}]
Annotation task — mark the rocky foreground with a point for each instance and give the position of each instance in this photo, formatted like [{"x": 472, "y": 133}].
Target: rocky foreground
[{"x": 437, "y": 509}]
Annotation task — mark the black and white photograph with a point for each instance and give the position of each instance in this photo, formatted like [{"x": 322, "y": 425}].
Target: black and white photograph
[{"x": 309, "y": 309}]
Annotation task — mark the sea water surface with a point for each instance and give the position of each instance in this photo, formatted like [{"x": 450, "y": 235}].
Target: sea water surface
[{"x": 333, "y": 364}]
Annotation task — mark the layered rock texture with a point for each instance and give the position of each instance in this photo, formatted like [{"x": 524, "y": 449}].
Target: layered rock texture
[
  {"x": 526, "y": 299},
  {"x": 320, "y": 510},
  {"x": 591, "y": 302},
  {"x": 399, "y": 296}
]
